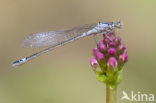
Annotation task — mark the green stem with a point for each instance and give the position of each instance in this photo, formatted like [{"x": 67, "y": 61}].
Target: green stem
[{"x": 111, "y": 94}]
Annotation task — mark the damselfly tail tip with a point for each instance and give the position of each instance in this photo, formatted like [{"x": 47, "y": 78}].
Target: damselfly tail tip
[
  {"x": 16, "y": 63},
  {"x": 19, "y": 62}
]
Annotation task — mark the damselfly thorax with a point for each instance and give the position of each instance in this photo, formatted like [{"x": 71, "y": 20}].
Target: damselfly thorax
[{"x": 54, "y": 39}]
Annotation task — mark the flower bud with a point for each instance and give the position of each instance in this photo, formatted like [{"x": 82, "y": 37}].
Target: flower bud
[
  {"x": 112, "y": 62},
  {"x": 117, "y": 40},
  {"x": 112, "y": 51},
  {"x": 106, "y": 40},
  {"x": 94, "y": 64},
  {"x": 102, "y": 47},
  {"x": 104, "y": 35},
  {"x": 100, "y": 57},
  {"x": 125, "y": 51},
  {"x": 122, "y": 48},
  {"x": 112, "y": 44},
  {"x": 110, "y": 34},
  {"x": 123, "y": 58},
  {"x": 95, "y": 50}
]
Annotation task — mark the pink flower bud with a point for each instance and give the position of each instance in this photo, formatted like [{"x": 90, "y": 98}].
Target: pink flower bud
[
  {"x": 95, "y": 50},
  {"x": 123, "y": 58},
  {"x": 122, "y": 47},
  {"x": 112, "y": 62},
  {"x": 117, "y": 40},
  {"x": 110, "y": 34},
  {"x": 106, "y": 40},
  {"x": 125, "y": 51},
  {"x": 94, "y": 64},
  {"x": 104, "y": 35},
  {"x": 102, "y": 47},
  {"x": 112, "y": 44},
  {"x": 100, "y": 57},
  {"x": 112, "y": 51}
]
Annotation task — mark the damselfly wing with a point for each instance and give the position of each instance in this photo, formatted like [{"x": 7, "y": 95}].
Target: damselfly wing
[{"x": 53, "y": 38}]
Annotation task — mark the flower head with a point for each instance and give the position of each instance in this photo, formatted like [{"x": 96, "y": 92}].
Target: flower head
[{"x": 109, "y": 53}]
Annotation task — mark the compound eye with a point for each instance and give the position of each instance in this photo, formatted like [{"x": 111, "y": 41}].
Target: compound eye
[{"x": 118, "y": 25}]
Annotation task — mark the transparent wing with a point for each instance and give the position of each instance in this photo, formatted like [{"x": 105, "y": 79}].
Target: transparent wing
[{"x": 52, "y": 38}]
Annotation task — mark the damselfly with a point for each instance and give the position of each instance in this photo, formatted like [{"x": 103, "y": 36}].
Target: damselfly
[{"x": 54, "y": 39}]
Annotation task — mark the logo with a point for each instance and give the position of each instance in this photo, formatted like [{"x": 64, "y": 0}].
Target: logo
[{"x": 140, "y": 97}]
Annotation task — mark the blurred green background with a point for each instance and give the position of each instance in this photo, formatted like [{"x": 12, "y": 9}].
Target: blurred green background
[{"x": 64, "y": 75}]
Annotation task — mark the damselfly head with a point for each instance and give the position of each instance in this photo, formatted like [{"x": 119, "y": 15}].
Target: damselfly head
[{"x": 117, "y": 24}]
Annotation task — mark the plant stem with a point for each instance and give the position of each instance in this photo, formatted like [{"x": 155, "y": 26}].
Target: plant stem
[{"x": 111, "y": 94}]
